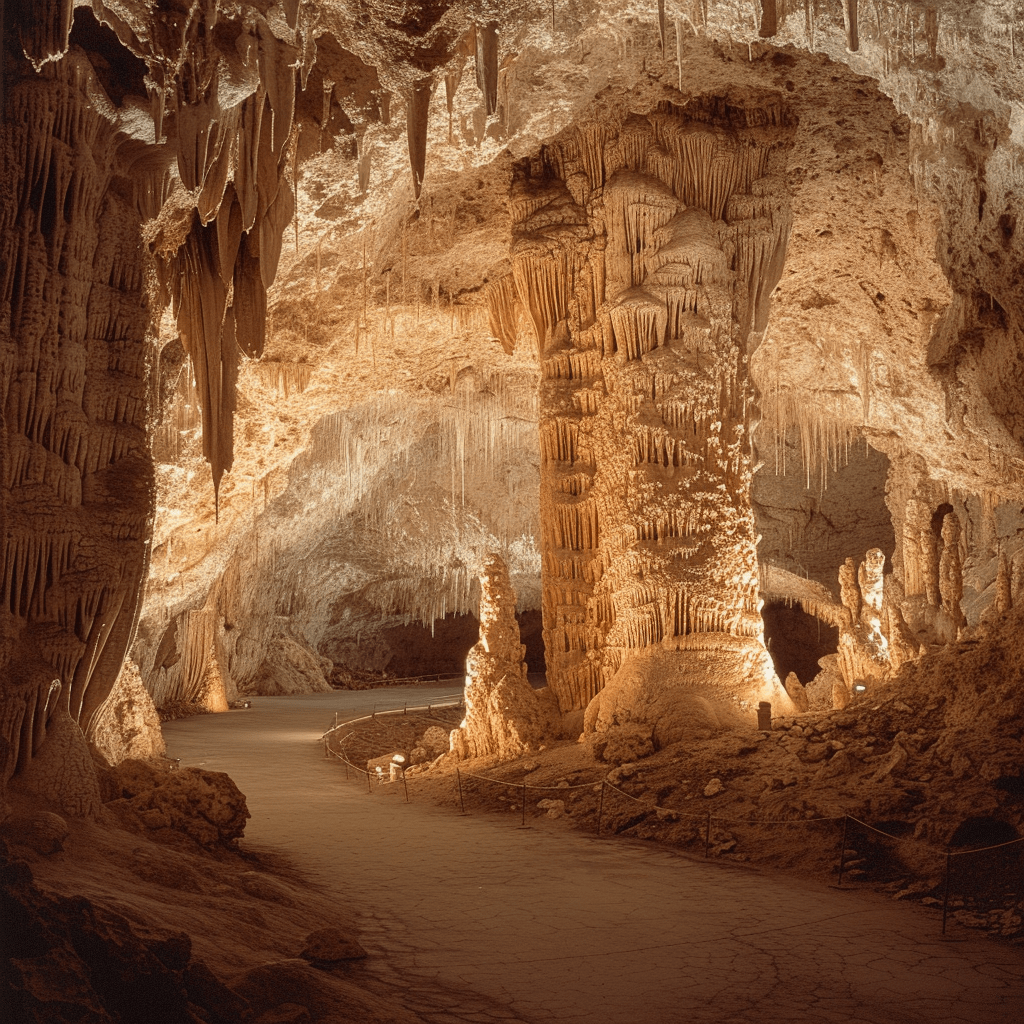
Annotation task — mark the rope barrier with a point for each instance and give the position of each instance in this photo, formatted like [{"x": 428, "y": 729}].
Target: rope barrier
[
  {"x": 600, "y": 785},
  {"x": 517, "y": 785},
  {"x": 718, "y": 817},
  {"x": 985, "y": 849}
]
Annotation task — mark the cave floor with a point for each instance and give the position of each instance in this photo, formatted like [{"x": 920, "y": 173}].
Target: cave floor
[{"x": 548, "y": 924}]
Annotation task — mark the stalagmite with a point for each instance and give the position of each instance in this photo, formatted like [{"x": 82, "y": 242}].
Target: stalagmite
[
  {"x": 951, "y": 573},
  {"x": 505, "y": 716}
]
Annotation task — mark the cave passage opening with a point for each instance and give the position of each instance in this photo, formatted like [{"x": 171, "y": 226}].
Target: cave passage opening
[{"x": 796, "y": 640}]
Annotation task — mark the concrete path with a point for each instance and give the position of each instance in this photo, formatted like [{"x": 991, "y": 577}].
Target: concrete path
[{"x": 545, "y": 924}]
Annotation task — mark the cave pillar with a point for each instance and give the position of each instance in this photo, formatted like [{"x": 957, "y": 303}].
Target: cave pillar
[
  {"x": 645, "y": 251},
  {"x": 76, "y": 486}
]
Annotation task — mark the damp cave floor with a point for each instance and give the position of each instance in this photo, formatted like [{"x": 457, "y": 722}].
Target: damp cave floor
[{"x": 545, "y": 924}]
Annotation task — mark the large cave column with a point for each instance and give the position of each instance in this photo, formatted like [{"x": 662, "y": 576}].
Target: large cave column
[
  {"x": 77, "y": 480},
  {"x": 646, "y": 253}
]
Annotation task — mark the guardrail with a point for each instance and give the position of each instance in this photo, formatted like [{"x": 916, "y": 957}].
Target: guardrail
[{"x": 847, "y": 857}]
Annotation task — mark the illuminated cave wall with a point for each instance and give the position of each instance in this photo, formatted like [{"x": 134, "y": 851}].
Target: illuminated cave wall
[{"x": 897, "y": 319}]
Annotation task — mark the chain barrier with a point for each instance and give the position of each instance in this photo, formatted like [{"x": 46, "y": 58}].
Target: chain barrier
[{"x": 875, "y": 857}]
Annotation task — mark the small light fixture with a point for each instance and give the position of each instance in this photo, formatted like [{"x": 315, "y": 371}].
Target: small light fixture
[{"x": 860, "y": 687}]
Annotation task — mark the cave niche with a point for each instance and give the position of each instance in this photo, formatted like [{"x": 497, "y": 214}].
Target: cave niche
[{"x": 796, "y": 640}]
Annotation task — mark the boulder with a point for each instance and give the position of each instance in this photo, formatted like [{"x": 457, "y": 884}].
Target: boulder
[
  {"x": 328, "y": 946},
  {"x": 42, "y": 832}
]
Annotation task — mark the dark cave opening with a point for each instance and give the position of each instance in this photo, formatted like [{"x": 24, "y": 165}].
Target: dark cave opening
[
  {"x": 796, "y": 640},
  {"x": 418, "y": 650},
  {"x": 982, "y": 832},
  {"x": 120, "y": 72}
]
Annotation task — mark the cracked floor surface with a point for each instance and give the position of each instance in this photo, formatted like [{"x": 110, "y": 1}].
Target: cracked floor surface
[{"x": 476, "y": 919}]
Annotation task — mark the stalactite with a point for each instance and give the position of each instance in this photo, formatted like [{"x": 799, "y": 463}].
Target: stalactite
[
  {"x": 487, "y": 65},
  {"x": 417, "y": 114},
  {"x": 1003, "y": 601},
  {"x": 850, "y": 19},
  {"x": 503, "y": 311}
]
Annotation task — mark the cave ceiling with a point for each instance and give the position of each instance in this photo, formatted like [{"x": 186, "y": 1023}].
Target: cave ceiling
[{"x": 269, "y": 341}]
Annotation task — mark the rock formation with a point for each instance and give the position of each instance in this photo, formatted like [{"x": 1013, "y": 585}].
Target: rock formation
[
  {"x": 738, "y": 244},
  {"x": 505, "y": 716}
]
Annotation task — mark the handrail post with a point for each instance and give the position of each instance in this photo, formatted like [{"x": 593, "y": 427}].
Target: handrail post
[
  {"x": 707, "y": 836},
  {"x": 842, "y": 852},
  {"x": 524, "y": 805},
  {"x": 945, "y": 895},
  {"x": 369, "y": 788},
  {"x": 462, "y": 803},
  {"x": 405, "y": 782},
  {"x": 600, "y": 806}
]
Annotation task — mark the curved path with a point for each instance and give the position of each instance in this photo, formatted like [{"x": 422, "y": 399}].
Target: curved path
[{"x": 552, "y": 925}]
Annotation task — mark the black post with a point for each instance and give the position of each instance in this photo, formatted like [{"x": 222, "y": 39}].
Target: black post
[
  {"x": 707, "y": 836},
  {"x": 945, "y": 895},
  {"x": 462, "y": 803},
  {"x": 842, "y": 852},
  {"x": 524, "y": 805},
  {"x": 600, "y": 807},
  {"x": 405, "y": 782},
  {"x": 369, "y": 788}
]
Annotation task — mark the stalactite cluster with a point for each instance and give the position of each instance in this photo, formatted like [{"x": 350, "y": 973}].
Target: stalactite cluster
[
  {"x": 235, "y": 139},
  {"x": 645, "y": 251}
]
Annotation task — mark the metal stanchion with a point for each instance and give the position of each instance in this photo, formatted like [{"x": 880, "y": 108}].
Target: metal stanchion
[
  {"x": 523, "y": 823},
  {"x": 600, "y": 807},
  {"x": 842, "y": 852},
  {"x": 405, "y": 782},
  {"x": 945, "y": 895},
  {"x": 707, "y": 836},
  {"x": 369, "y": 787},
  {"x": 462, "y": 803}
]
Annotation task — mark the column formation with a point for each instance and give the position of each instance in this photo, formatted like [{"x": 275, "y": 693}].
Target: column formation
[{"x": 645, "y": 250}]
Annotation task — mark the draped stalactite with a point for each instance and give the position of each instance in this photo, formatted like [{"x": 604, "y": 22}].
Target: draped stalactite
[
  {"x": 233, "y": 160},
  {"x": 645, "y": 306}
]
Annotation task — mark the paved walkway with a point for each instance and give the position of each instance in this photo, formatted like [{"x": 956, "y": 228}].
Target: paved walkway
[{"x": 552, "y": 925}]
